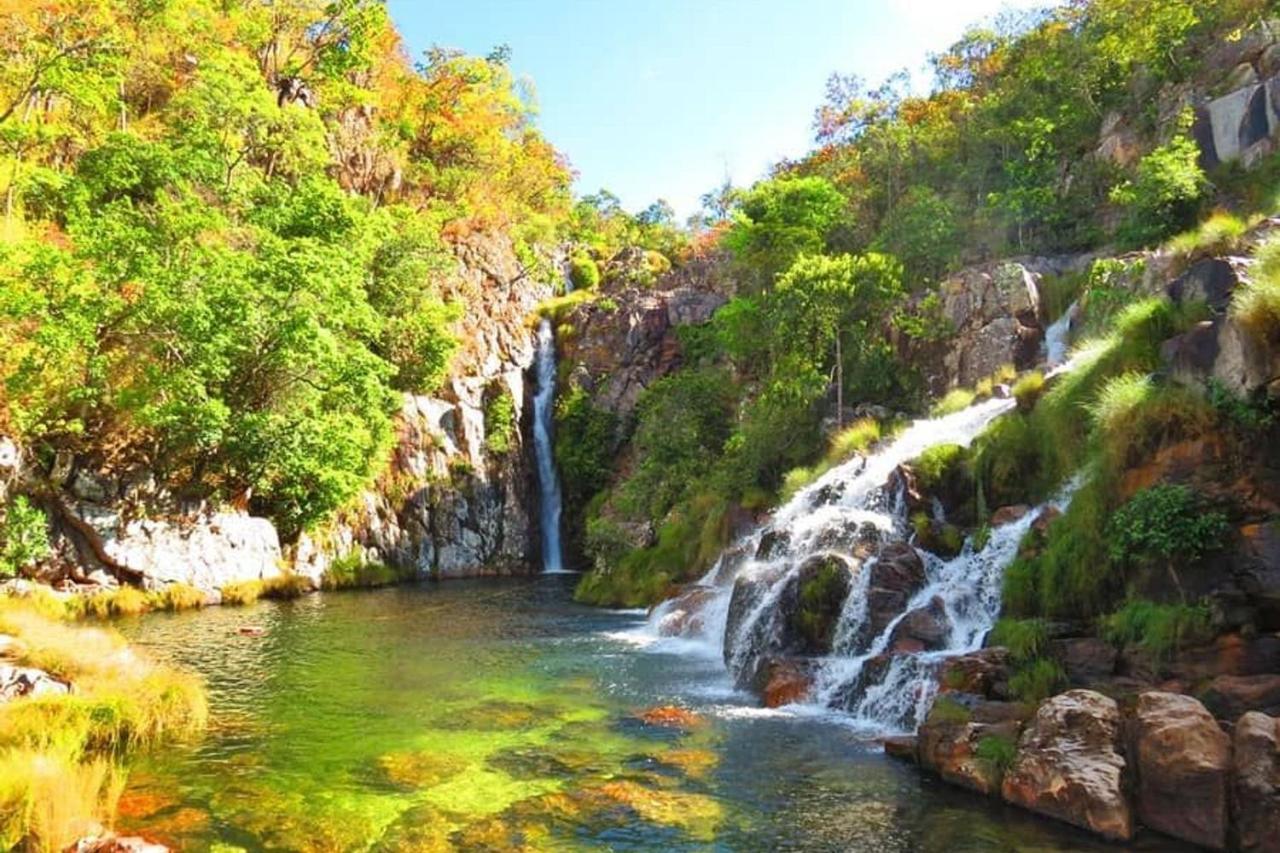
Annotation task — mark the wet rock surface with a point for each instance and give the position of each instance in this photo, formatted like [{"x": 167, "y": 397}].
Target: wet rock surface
[{"x": 1255, "y": 788}]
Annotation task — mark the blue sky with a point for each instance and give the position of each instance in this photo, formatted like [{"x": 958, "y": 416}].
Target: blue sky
[{"x": 664, "y": 98}]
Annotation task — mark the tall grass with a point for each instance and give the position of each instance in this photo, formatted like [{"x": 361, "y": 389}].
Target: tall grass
[
  {"x": 1220, "y": 234},
  {"x": 858, "y": 437},
  {"x": 1257, "y": 304}
]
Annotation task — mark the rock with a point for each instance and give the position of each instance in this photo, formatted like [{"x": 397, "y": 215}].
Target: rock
[
  {"x": 948, "y": 740},
  {"x": 94, "y": 487},
  {"x": 1221, "y": 350},
  {"x": 1008, "y": 514},
  {"x": 1183, "y": 761},
  {"x": 787, "y": 681},
  {"x": 1255, "y": 789},
  {"x": 811, "y": 604},
  {"x": 984, "y": 673},
  {"x": 1258, "y": 571},
  {"x": 1086, "y": 660},
  {"x": 902, "y": 747},
  {"x": 925, "y": 629},
  {"x": 1229, "y": 696},
  {"x": 1069, "y": 765},
  {"x": 18, "y": 682},
  {"x": 9, "y": 455},
  {"x": 896, "y": 576},
  {"x": 773, "y": 544},
  {"x": 670, "y": 716},
  {"x": 1211, "y": 281},
  {"x": 682, "y": 615}
]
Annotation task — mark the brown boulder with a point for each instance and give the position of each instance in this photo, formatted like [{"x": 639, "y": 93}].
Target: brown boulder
[
  {"x": 1086, "y": 660},
  {"x": 1069, "y": 765},
  {"x": 984, "y": 672},
  {"x": 1255, "y": 790},
  {"x": 901, "y": 747},
  {"x": 1229, "y": 696},
  {"x": 948, "y": 742},
  {"x": 1183, "y": 761},
  {"x": 1008, "y": 514},
  {"x": 895, "y": 577},
  {"x": 683, "y": 616},
  {"x": 786, "y": 681},
  {"x": 924, "y": 629}
]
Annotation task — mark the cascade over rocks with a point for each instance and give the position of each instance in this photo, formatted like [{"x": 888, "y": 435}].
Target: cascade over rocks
[
  {"x": 1182, "y": 761},
  {"x": 1070, "y": 765}
]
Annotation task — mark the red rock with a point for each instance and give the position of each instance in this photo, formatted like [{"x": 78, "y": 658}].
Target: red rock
[
  {"x": 902, "y": 747},
  {"x": 1008, "y": 514},
  {"x": 1183, "y": 761},
  {"x": 788, "y": 682},
  {"x": 670, "y": 716}
]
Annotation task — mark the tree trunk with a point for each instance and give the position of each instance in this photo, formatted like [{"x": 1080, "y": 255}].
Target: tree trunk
[{"x": 839, "y": 385}]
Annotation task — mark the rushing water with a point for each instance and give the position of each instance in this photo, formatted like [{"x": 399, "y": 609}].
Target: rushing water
[
  {"x": 1057, "y": 338},
  {"x": 548, "y": 479},
  {"x": 486, "y": 715}
]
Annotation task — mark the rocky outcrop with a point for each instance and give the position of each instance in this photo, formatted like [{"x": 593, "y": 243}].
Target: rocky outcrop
[
  {"x": 1255, "y": 784},
  {"x": 17, "y": 682},
  {"x": 620, "y": 345},
  {"x": 1241, "y": 123},
  {"x": 1182, "y": 761},
  {"x": 1070, "y": 765},
  {"x": 952, "y": 738}
]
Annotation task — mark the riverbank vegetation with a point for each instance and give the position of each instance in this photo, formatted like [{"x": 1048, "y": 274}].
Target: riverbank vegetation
[{"x": 61, "y": 753}]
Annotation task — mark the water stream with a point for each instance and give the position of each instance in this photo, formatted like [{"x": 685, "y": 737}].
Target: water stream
[{"x": 544, "y": 402}]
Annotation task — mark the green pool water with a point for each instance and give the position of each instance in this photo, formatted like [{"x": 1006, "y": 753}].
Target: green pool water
[{"x": 498, "y": 715}]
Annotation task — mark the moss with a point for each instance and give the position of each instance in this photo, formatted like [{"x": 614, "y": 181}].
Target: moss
[
  {"x": 500, "y": 421},
  {"x": 1028, "y": 389},
  {"x": 820, "y": 599},
  {"x": 956, "y": 400},
  {"x": 353, "y": 572},
  {"x": 947, "y": 711},
  {"x": 997, "y": 752}
]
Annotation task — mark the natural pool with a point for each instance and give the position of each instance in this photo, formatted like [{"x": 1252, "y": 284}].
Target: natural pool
[{"x": 498, "y": 715}]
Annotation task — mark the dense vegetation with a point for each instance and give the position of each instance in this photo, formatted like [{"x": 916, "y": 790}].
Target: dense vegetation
[
  {"x": 836, "y": 258},
  {"x": 227, "y": 235}
]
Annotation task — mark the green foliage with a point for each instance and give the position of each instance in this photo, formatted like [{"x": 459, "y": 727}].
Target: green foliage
[
  {"x": 858, "y": 437},
  {"x": 938, "y": 464},
  {"x": 1162, "y": 524},
  {"x": 996, "y": 751},
  {"x": 1220, "y": 234},
  {"x": 178, "y": 596},
  {"x": 1166, "y": 194},
  {"x": 1133, "y": 415},
  {"x": 24, "y": 536},
  {"x": 1026, "y": 639},
  {"x": 1158, "y": 628},
  {"x": 1028, "y": 390},
  {"x": 353, "y": 572},
  {"x": 1257, "y": 304},
  {"x": 500, "y": 422},
  {"x": 926, "y": 322},
  {"x": 947, "y": 711},
  {"x": 1037, "y": 680},
  {"x": 778, "y": 220},
  {"x": 584, "y": 273},
  {"x": 922, "y": 231},
  {"x": 821, "y": 597},
  {"x": 955, "y": 400}
]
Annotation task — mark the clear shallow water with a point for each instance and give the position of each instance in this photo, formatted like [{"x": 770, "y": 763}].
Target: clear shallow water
[{"x": 497, "y": 715}]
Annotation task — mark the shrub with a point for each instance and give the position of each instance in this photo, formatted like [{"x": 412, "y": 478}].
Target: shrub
[
  {"x": 1037, "y": 680},
  {"x": 1164, "y": 196},
  {"x": 1160, "y": 629},
  {"x": 584, "y": 273},
  {"x": 24, "y": 537},
  {"x": 855, "y": 438},
  {"x": 500, "y": 422},
  {"x": 795, "y": 480},
  {"x": 1165, "y": 525},
  {"x": 956, "y": 400},
  {"x": 240, "y": 593},
  {"x": 178, "y": 596}
]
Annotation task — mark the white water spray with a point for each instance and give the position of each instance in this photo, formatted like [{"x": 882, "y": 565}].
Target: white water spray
[{"x": 548, "y": 479}]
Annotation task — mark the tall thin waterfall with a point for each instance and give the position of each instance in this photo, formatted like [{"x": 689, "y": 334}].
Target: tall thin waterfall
[
  {"x": 851, "y": 513},
  {"x": 548, "y": 479},
  {"x": 1057, "y": 338}
]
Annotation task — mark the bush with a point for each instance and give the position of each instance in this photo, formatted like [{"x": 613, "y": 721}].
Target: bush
[
  {"x": 500, "y": 422},
  {"x": 1166, "y": 525},
  {"x": 921, "y": 231},
  {"x": 1165, "y": 195},
  {"x": 584, "y": 273},
  {"x": 939, "y": 464},
  {"x": 1160, "y": 629},
  {"x": 24, "y": 537}
]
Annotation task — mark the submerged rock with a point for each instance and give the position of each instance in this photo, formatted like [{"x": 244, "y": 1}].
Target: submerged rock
[
  {"x": 1183, "y": 761},
  {"x": 1069, "y": 765}
]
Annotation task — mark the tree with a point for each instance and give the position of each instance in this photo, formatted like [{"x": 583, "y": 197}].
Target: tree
[{"x": 780, "y": 219}]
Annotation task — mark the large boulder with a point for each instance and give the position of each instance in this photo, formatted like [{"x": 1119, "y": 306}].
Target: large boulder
[
  {"x": 924, "y": 629},
  {"x": 1255, "y": 790},
  {"x": 1069, "y": 765},
  {"x": 1183, "y": 763},
  {"x": 896, "y": 576},
  {"x": 683, "y": 616},
  {"x": 1085, "y": 660},
  {"x": 1229, "y": 696},
  {"x": 952, "y": 739},
  {"x": 984, "y": 672},
  {"x": 1224, "y": 352}
]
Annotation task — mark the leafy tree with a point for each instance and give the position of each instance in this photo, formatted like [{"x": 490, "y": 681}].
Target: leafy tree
[
  {"x": 922, "y": 232},
  {"x": 24, "y": 536},
  {"x": 1165, "y": 195},
  {"x": 779, "y": 220}
]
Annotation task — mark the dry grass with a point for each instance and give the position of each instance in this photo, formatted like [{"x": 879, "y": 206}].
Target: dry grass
[
  {"x": 178, "y": 596},
  {"x": 241, "y": 593},
  {"x": 59, "y": 773},
  {"x": 286, "y": 586}
]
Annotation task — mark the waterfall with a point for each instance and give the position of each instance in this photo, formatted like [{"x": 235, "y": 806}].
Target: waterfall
[
  {"x": 852, "y": 512},
  {"x": 548, "y": 480},
  {"x": 1057, "y": 338}
]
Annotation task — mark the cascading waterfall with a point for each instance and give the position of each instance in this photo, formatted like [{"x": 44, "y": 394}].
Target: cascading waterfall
[
  {"x": 548, "y": 478},
  {"x": 856, "y": 503},
  {"x": 1057, "y": 338}
]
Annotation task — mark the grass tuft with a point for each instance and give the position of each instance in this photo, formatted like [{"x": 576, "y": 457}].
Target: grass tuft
[
  {"x": 178, "y": 596},
  {"x": 956, "y": 400},
  {"x": 286, "y": 586},
  {"x": 858, "y": 437},
  {"x": 241, "y": 593}
]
